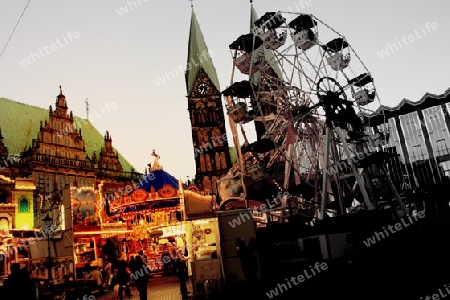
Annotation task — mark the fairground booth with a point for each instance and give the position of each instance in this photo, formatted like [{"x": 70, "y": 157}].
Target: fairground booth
[
  {"x": 167, "y": 217},
  {"x": 86, "y": 225}
]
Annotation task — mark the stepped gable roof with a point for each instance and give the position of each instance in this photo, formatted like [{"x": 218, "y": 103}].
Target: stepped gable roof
[{"x": 20, "y": 124}]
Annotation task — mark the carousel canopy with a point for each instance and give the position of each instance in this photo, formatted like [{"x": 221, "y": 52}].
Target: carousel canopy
[
  {"x": 158, "y": 190},
  {"x": 156, "y": 180},
  {"x": 131, "y": 209}
]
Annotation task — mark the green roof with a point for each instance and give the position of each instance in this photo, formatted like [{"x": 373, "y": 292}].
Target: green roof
[
  {"x": 268, "y": 54},
  {"x": 20, "y": 124},
  {"x": 198, "y": 57}
]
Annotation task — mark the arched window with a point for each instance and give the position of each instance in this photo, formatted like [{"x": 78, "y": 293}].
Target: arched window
[
  {"x": 24, "y": 205},
  {"x": 4, "y": 224}
]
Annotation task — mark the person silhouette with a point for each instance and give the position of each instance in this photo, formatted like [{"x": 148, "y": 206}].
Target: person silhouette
[
  {"x": 182, "y": 273},
  {"x": 18, "y": 284},
  {"x": 248, "y": 259}
]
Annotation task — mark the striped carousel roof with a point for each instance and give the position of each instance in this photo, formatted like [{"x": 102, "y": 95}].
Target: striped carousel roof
[{"x": 158, "y": 190}]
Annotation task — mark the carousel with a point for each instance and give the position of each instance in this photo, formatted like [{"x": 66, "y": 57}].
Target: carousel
[{"x": 164, "y": 216}]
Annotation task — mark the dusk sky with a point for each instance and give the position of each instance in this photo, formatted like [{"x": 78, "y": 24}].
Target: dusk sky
[{"x": 117, "y": 53}]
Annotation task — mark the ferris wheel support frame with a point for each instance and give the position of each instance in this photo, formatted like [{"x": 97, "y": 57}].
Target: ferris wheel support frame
[
  {"x": 358, "y": 177},
  {"x": 328, "y": 133},
  {"x": 338, "y": 179}
]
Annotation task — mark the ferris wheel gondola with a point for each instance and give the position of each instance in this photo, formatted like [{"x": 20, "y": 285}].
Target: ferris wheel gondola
[{"x": 244, "y": 59}]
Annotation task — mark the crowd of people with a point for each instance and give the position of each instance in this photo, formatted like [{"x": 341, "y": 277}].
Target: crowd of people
[
  {"x": 18, "y": 285},
  {"x": 119, "y": 274},
  {"x": 174, "y": 263}
]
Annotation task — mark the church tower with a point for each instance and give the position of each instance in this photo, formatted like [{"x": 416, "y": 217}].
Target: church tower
[{"x": 209, "y": 139}]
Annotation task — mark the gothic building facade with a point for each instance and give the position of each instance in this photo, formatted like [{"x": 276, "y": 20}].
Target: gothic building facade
[{"x": 65, "y": 150}]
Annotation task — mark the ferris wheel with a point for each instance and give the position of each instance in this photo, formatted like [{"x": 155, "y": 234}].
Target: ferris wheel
[{"x": 307, "y": 92}]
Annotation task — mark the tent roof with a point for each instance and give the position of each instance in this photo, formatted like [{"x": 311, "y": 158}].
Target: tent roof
[{"x": 157, "y": 179}]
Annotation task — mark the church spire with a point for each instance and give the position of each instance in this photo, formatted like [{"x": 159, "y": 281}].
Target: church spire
[
  {"x": 198, "y": 57},
  {"x": 267, "y": 53},
  {"x": 253, "y": 16}
]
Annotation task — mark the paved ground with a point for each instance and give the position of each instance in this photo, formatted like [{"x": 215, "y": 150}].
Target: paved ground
[{"x": 159, "y": 288}]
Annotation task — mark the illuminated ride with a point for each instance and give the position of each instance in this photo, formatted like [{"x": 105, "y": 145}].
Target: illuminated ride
[{"x": 301, "y": 85}]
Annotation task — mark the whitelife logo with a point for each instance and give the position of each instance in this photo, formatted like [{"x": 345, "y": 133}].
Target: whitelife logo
[
  {"x": 378, "y": 236},
  {"x": 261, "y": 209},
  {"x": 140, "y": 273},
  {"x": 180, "y": 70},
  {"x": 391, "y": 48},
  {"x": 439, "y": 296},
  {"x": 46, "y": 50},
  {"x": 130, "y": 6},
  {"x": 9, "y": 161},
  {"x": 281, "y": 287},
  {"x": 69, "y": 128}
]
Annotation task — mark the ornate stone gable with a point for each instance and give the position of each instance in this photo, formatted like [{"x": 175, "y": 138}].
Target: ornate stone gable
[
  {"x": 109, "y": 158},
  {"x": 58, "y": 137}
]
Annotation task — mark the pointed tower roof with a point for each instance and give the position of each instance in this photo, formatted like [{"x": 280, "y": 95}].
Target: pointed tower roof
[
  {"x": 198, "y": 57},
  {"x": 268, "y": 54},
  {"x": 253, "y": 16}
]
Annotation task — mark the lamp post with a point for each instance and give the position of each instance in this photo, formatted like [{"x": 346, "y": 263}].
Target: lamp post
[{"x": 49, "y": 260}]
